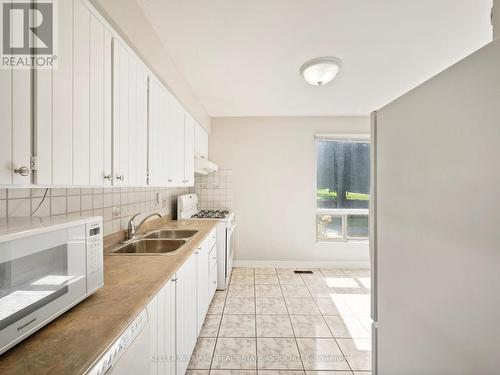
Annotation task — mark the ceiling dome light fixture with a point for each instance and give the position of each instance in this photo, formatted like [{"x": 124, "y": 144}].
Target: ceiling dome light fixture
[{"x": 320, "y": 71}]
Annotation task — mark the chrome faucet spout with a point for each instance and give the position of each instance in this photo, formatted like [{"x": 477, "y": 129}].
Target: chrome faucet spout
[{"x": 132, "y": 228}]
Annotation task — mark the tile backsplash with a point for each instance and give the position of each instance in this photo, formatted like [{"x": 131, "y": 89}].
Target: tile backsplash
[
  {"x": 115, "y": 205},
  {"x": 215, "y": 191}
]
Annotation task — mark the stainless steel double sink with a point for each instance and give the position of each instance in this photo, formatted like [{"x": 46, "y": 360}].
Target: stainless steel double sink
[{"x": 157, "y": 242}]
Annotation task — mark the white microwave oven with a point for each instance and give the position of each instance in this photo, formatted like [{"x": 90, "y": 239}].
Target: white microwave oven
[{"x": 47, "y": 266}]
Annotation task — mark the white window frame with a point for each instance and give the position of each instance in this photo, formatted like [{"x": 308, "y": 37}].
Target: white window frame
[{"x": 342, "y": 212}]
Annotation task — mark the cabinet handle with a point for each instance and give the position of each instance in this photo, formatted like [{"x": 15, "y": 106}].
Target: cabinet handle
[
  {"x": 107, "y": 177},
  {"x": 23, "y": 171},
  {"x": 169, "y": 180},
  {"x": 120, "y": 177},
  {"x": 196, "y": 252},
  {"x": 174, "y": 280}
]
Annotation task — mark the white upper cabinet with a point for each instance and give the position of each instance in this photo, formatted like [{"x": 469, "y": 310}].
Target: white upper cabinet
[
  {"x": 130, "y": 118},
  {"x": 15, "y": 127},
  {"x": 175, "y": 150},
  {"x": 189, "y": 126},
  {"x": 94, "y": 121},
  {"x": 59, "y": 91},
  {"x": 158, "y": 162},
  {"x": 81, "y": 94},
  {"x": 73, "y": 104},
  {"x": 100, "y": 104},
  {"x": 200, "y": 142},
  {"x": 171, "y": 139}
]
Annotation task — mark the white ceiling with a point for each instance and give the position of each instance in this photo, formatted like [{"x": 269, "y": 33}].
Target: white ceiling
[{"x": 242, "y": 57}]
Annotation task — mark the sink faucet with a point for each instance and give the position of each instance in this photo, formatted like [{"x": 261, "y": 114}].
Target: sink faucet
[{"x": 132, "y": 228}]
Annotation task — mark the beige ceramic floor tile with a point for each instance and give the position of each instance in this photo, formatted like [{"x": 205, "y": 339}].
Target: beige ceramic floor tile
[
  {"x": 278, "y": 353},
  {"x": 266, "y": 291},
  {"x": 237, "y": 326},
  {"x": 210, "y": 326},
  {"x": 290, "y": 279},
  {"x": 329, "y": 306},
  {"x": 233, "y": 372},
  {"x": 217, "y": 304},
  {"x": 357, "y": 352},
  {"x": 242, "y": 279},
  {"x": 202, "y": 354},
  {"x": 263, "y": 279},
  {"x": 328, "y": 373},
  {"x": 241, "y": 291},
  {"x": 197, "y": 372},
  {"x": 265, "y": 271},
  {"x": 242, "y": 271},
  {"x": 321, "y": 354},
  {"x": 239, "y": 306},
  {"x": 274, "y": 326},
  {"x": 295, "y": 290},
  {"x": 332, "y": 272},
  {"x": 346, "y": 326},
  {"x": 309, "y": 326},
  {"x": 302, "y": 306},
  {"x": 235, "y": 353},
  {"x": 267, "y": 306},
  {"x": 281, "y": 372},
  {"x": 361, "y": 272}
]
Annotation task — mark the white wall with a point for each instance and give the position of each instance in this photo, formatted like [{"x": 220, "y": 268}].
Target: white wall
[
  {"x": 128, "y": 18},
  {"x": 273, "y": 162},
  {"x": 496, "y": 19}
]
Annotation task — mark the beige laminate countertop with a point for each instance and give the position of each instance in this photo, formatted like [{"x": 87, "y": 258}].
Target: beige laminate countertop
[{"x": 74, "y": 341}]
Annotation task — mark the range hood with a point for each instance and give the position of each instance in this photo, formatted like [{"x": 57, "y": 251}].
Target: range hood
[{"x": 204, "y": 166}]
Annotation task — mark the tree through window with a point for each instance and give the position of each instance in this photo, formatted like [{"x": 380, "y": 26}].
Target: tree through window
[{"x": 343, "y": 187}]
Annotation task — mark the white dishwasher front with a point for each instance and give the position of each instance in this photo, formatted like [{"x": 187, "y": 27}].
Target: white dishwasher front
[
  {"x": 136, "y": 359},
  {"x": 130, "y": 353}
]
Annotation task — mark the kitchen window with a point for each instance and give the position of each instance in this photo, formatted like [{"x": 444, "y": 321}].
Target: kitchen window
[{"x": 342, "y": 187}]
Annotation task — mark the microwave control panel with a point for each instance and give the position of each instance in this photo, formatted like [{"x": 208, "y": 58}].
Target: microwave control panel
[{"x": 94, "y": 256}]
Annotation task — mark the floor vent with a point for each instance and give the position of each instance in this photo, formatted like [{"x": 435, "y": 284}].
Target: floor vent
[{"x": 303, "y": 272}]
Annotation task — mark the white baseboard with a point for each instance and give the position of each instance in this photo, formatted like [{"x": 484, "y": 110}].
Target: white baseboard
[{"x": 301, "y": 264}]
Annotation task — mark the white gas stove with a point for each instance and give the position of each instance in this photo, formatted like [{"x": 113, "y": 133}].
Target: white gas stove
[{"x": 187, "y": 209}]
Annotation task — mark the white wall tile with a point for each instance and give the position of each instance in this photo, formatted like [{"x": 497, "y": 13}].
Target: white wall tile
[
  {"x": 97, "y": 201},
  {"x": 44, "y": 209},
  {"x": 73, "y": 204},
  {"x": 19, "y": 193},
  {"x": 3, "y": 208},
  {"x": 86, "y": 202},
  {"x": 19, "y": 207},
  {"x": 58, "y": 205}
]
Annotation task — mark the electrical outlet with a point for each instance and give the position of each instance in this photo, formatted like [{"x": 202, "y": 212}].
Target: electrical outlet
[{"x": 116, "y": 213}]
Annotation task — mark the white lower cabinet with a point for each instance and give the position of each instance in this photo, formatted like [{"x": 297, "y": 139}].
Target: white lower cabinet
[
  {"x": 175, "y": 318},
  {"x": 202, "y": 283},
  {"x": 186, "y": 317}
]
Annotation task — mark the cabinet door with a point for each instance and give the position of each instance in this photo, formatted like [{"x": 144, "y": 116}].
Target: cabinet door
[
  {"x": 175, "y": 151},
  {"x": 81, "y": 94},
  {"x": 97, "y": 103},
  {"x": 202, "y": 283},
  {"x": 200, "y": 142},
  {"x": 186, "y": 313},
  {"x": 140, "y": 141},
  {"x": 62, "y": 101},
  {"x": 15, "y": 126},
  {"x": 188, "y": 151},
  {"x": 158, "y": 163}
]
